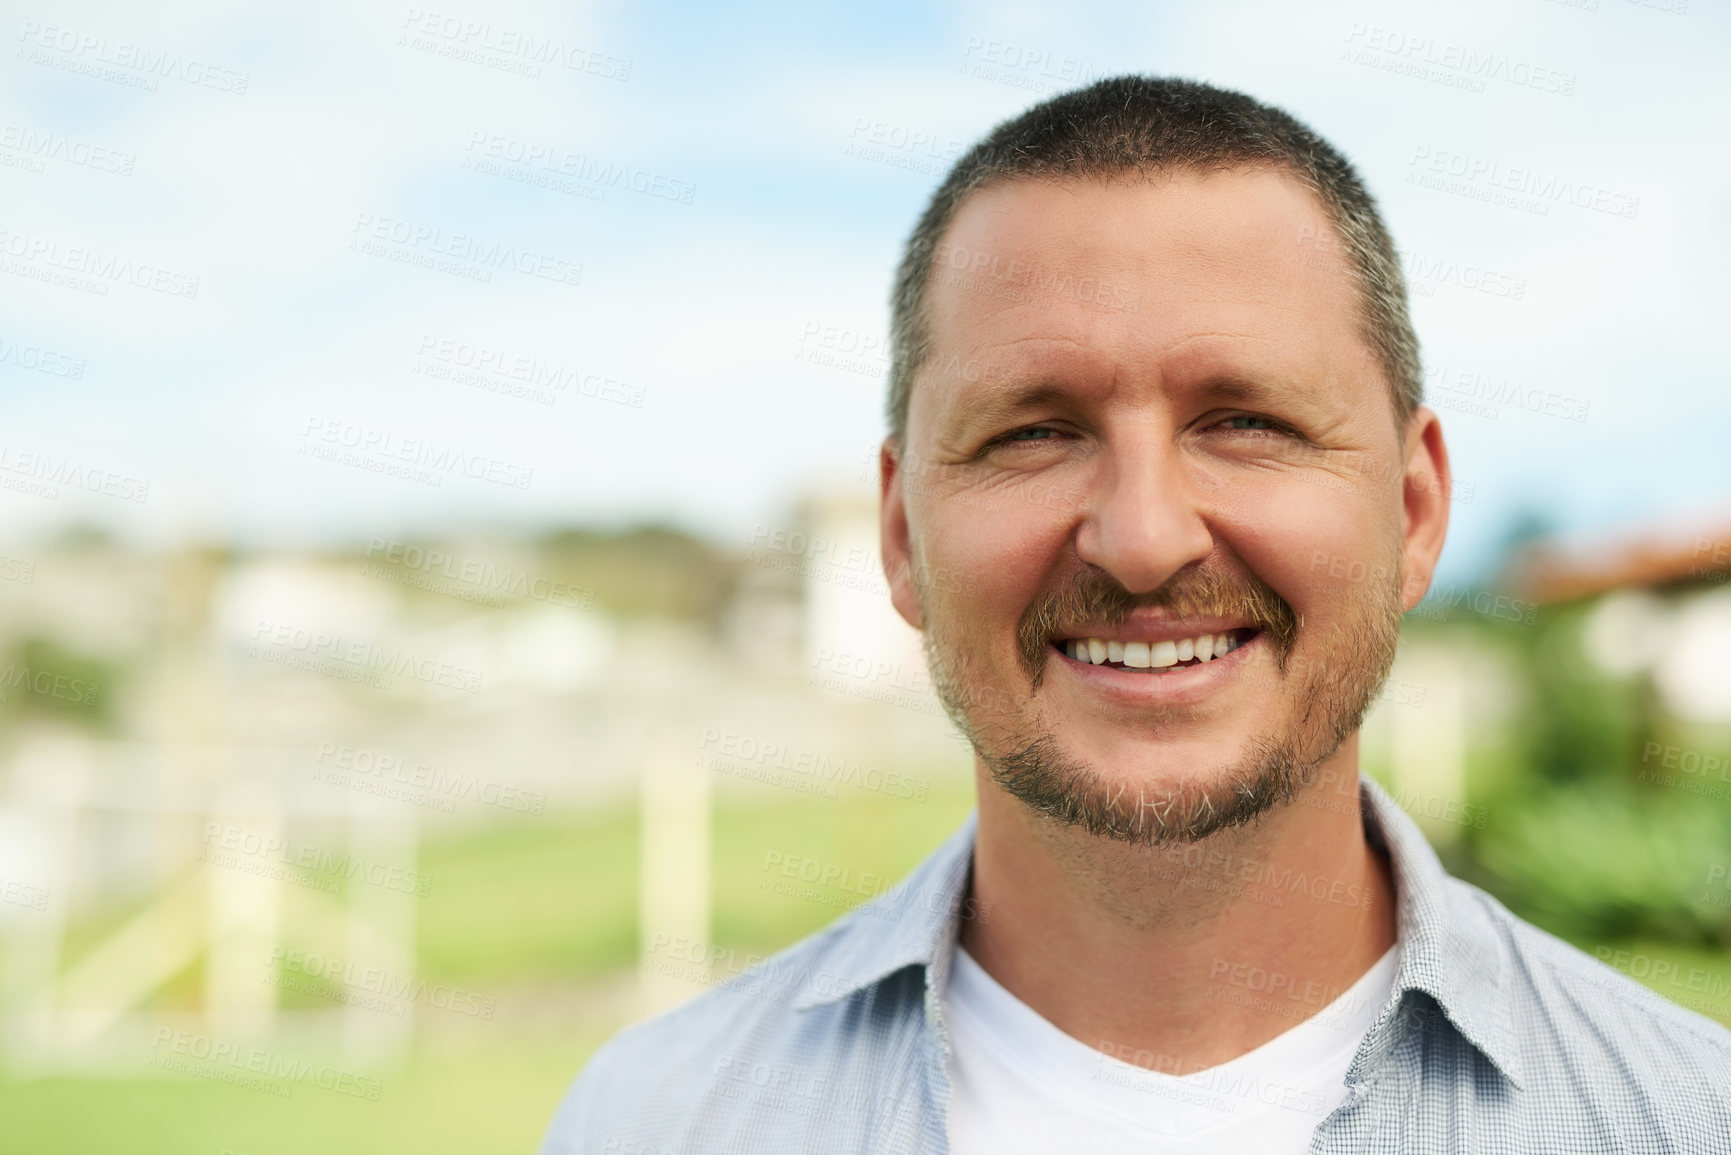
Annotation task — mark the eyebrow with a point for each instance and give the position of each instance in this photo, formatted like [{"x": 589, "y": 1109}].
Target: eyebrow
[
  {"x": 1004, "y": 404},
  {"x": 1228, "y": 388}
]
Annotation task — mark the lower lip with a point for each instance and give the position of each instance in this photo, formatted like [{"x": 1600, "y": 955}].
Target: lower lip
[{"x": 1172, "y": 686}]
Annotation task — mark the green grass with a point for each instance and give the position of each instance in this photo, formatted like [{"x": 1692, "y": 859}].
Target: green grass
[
  {"x": 558, "y": 901},
  {"x": 540, "y": 912},
  {"x": 493, "y": 1099},
  {"x": 532, "y": 900},
  {"x": 856, "y": 847},
  {"x": 544, "y": 914}
]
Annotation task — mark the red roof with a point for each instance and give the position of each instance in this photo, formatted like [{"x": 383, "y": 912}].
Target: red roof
[{"x": 1548, "y": 571}]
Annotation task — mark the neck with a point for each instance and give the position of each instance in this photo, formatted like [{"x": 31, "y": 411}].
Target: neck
[{"x": 1140, "y": 951}]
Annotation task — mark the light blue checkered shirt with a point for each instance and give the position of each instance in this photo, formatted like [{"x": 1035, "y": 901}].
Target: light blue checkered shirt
[{"x": 1497, "y": 1037}]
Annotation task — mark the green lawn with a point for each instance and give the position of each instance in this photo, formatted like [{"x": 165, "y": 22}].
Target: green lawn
[
  {"x": 542, "y": 914},
  {"x": 485, "y": 1099}
]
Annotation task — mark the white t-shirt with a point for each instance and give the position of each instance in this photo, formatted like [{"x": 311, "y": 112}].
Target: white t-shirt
[{"x": 1019, "y": 1084}]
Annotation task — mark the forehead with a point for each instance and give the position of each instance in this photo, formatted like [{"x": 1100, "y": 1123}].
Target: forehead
[{"x": 1148, "y": 281}]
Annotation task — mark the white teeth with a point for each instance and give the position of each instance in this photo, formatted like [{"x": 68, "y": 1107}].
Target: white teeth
[{"x": 1150, "y": 655}]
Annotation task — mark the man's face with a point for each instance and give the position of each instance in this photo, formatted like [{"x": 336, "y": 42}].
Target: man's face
[{"x": 1147, "y": 419}]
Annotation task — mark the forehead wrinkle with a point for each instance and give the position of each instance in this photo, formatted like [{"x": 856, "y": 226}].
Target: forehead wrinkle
[
  {"x": 1134, "y": 375},
  {"x": 1006, "y": 382}
]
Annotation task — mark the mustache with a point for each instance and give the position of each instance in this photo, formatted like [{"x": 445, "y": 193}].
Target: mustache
[{"x": 1093, "y": 595}]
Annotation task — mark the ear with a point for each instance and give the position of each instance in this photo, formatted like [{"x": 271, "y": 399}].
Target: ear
[
  {"x": 893, "y": 539},
  {"x": 1426, "y": 489}
]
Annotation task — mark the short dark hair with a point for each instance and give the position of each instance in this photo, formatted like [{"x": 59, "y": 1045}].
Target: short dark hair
[{"x": 1141, "y": 124}]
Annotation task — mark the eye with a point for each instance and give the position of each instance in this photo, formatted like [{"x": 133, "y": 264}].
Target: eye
[
  {"x": 1256, "y": 423},
  {"x": 1027, "y": 435}
]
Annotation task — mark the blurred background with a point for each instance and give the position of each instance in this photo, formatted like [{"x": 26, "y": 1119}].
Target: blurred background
[{"x": 440, "y": 611}]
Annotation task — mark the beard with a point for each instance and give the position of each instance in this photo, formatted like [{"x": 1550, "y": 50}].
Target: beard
[{"x": 1330, "y": 685}]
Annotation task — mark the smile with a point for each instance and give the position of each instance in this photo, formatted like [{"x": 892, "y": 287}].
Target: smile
[{"x": 1154, "y": 656}]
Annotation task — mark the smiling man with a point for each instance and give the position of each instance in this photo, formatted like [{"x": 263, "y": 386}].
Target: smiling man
[{"x": 1155, "y": 416}]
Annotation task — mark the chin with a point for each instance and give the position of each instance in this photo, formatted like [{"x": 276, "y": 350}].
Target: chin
[
  {"x": 1156, "y": 764},
  {"x": 1150, "y": 795}
]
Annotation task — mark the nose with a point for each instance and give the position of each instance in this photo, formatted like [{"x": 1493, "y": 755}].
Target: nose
[{"x": 1143, "y": 522}]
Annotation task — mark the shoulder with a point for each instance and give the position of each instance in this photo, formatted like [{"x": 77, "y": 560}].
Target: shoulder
[
  {"x": 1591, "y": 1036},
  {"x": 821, "y": 1040},
  {"x": 710, "y": 1065}
]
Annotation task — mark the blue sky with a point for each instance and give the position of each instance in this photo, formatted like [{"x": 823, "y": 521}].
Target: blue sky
[{"x": 758, "y": 236}]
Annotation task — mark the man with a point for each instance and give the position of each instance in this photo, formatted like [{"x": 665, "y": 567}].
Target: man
[{"x": 1155, "y": 418}]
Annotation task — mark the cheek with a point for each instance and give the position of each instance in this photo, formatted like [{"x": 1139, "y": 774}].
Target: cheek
[
  {"x": 989, "y": 556},
  {"x": 1321, "y": 549}
]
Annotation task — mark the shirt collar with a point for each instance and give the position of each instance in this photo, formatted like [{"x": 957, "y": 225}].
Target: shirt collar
[
  {"x": 1450, "y": 946},
  {"x": 915, "y": 922}
]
